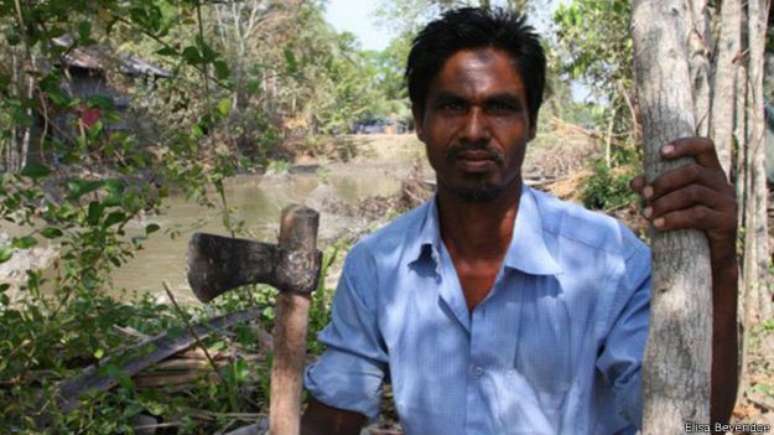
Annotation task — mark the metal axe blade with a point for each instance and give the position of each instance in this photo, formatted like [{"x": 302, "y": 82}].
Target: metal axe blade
[{"x": 217, "y": 264}]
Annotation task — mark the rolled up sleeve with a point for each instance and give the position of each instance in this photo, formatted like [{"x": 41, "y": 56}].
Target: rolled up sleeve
[
  {"x": 350, "y": 373},
  {"x": 620, "y": 361}
]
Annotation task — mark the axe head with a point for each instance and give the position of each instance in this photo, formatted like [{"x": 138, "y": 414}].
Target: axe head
[{"x": 217, "y": 264}]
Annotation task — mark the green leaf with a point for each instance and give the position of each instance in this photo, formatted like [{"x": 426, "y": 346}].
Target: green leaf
[
  {"x": 222, "y": 71},
  {"x": 115, "y": 190},
  {"x": 13, "y": 37},
  {"x": 95, "y": 212},
  {"x": 35, "y": 171},
  {"x": 192, "y": 56},
  {"x": 84, "y": 30},
  {"x": 114, "y": 218},
  {"x": 4, "y": 286},
  {"x": 101, "y": 101},
  {"x": 116, "y": 262},
  {"x": 208, "y": 54},
  {"x": 51, "y": 232},
  {"x": 167, "y": 51},
  {"x": 224, "y": 106},
  {"x": 290, "y": 61},
  {"x": 78, "y": 188},
  {"x": 196, "y": 131},
  {"x": 6, "y": 252},
  {"x": 25, "y": 242},
  {"x": 152, "y": 228}
]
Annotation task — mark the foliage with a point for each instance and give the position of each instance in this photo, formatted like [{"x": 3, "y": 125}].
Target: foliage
[
  {"x": 602, "y": 59},
  {"x": 80, "y": 185},
  {"x": 607, "y": 189}
]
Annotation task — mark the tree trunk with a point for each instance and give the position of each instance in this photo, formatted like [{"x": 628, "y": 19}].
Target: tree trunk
[
  {"x": 724, "y": 83},
  {"x": 677, "y": 364},
  {"x": 757, "y": 230},
  {"x": 699, "y": 63},
  {"x": 755, "y": 295}
]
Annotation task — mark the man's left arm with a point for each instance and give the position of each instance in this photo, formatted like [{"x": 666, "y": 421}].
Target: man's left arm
[{"x": 699, "y": 196}]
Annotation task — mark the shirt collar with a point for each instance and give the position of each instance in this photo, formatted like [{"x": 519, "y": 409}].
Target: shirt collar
[
  {"x": 428, "y": 241},
  {"x": 527, "y": 252}
]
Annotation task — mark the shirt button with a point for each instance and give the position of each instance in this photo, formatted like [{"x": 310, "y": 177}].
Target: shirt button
[{"x": 477, "y": 371}]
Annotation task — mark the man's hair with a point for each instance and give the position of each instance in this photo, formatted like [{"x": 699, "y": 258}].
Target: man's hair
[{"x": 469, "y": 28}]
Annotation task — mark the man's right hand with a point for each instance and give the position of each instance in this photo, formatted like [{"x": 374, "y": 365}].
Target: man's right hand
[{"x": 321, "y": 419}]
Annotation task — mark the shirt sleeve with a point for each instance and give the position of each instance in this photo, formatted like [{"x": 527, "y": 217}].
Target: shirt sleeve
[
  {"x": 621, "y": 358},
  {"x": 349, "y": 374}
]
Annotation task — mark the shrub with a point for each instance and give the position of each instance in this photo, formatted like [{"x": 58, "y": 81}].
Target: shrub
[{"x": 608, "y": 189}]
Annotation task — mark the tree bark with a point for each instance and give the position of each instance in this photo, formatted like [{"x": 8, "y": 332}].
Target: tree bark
[
  {"x": 677, "y": 364},
  {"x": 699, "y": 64},
  {"x": 757, "y": 230},
  {"x": 724, "y": 85}
]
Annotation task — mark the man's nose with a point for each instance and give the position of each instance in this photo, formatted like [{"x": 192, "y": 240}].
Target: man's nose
[{"x": 476, "y": 128}]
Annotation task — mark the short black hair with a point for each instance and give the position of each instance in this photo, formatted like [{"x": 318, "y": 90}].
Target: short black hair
[{"x": 468, "y": 28}]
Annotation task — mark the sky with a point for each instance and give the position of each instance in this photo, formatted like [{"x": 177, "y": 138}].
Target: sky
[{"x": 356, "y": 16}]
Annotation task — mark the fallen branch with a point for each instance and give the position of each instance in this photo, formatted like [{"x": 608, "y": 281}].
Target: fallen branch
[
  {"x": 192, "y": 331},
  {"x": 181, "y": 364},
  {"x": 762, "y": 403},
  {"x": 94, "y": 378},
  {"x": 260, "y": 428},
  {"x": 131, "y": 332},
  {"x": 161, "y": 380},
  {"x": 211, "y": 415}
]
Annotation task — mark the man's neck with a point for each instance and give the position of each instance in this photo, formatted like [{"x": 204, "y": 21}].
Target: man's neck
[{"x": 478, "y": 230}]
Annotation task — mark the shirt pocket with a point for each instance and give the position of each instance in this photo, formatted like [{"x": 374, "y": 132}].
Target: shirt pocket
[{"x": 544, "y": 356}]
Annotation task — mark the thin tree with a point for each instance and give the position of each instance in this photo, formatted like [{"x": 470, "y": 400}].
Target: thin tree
[
  {"x": 700, "y": 71},
  {"x": 677, "y": 365}
]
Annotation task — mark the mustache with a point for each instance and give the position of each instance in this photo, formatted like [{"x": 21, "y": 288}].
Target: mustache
[{"x": 492, "y": 153}]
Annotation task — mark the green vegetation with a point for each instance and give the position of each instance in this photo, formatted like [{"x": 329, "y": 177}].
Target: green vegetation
[
  {"x": 75, "y": 181},
  {"x": 607, "y": 189},
  {"x": 247, "y": 86}
]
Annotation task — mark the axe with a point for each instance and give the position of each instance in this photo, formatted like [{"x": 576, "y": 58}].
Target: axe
[{"x": 218, "y": 264}]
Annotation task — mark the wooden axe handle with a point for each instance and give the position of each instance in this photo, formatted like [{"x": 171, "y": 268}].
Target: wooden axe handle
[{"x": 298, "y": 232}]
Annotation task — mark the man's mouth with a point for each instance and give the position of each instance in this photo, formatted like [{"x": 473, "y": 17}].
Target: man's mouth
[
  {"x": 476, "y": 155},
  {"x": 476, "y": 160}
]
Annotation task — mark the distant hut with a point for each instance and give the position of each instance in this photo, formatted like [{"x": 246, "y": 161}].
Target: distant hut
[{"x": 90, "y": 72}]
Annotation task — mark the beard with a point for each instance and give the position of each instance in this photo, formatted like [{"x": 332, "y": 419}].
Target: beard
[
  {"x": 476, "y": 191},
  {"x": 483, "y": 192}
]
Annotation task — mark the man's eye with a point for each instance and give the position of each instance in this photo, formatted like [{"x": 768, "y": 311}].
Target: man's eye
[
  {"x": 501, "y": 108},
  {"x": 452, "y": 107}
]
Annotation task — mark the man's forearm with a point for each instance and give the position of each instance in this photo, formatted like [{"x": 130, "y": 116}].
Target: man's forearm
[
  {"x": 321, "y": 419},
  {"x": 724, "y": 340}
]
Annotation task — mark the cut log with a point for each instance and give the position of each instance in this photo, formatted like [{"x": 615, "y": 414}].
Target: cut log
[
  {"x": 94, "y": 378},
  {"x": 161, "y": 380}
]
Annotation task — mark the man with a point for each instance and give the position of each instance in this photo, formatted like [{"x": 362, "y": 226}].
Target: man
[{"x": 495, "y": 308}]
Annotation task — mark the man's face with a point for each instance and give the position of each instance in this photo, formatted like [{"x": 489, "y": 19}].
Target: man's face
[{"x": 476, "y": 124}]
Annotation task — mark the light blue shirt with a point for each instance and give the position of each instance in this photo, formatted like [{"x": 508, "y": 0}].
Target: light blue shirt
[{"x": 555, "y": 348}]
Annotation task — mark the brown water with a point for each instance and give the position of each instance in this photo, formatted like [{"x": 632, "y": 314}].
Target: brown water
[{"x": 256, "y": 200}]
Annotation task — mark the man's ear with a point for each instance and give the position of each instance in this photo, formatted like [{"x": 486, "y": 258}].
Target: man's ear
[{"x": 418, "y": 116}]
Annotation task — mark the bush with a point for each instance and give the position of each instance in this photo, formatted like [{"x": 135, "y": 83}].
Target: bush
[{"x": 608, "y": 189}]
